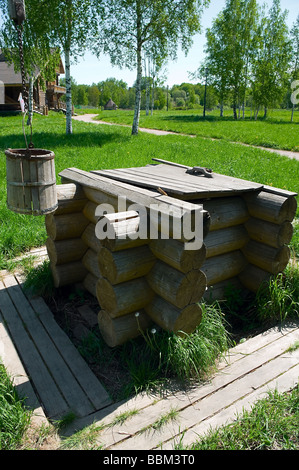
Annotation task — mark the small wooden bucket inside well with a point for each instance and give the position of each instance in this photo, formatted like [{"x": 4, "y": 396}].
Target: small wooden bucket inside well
[{"x": 31, "y": 181}]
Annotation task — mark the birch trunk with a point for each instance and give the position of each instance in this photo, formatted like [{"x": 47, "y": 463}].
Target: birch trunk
[
  {"x": 30, "y": 102},
  {"x": 68, "y": 84},
  {"x": 139, "y": 74},
  {"x": 147, "y": 90},
  {"x": 292, "y": 116}
]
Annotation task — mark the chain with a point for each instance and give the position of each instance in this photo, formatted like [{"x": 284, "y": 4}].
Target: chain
[{"x": 24, "y": 88}]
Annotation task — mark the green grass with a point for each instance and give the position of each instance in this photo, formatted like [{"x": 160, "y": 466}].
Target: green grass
[
  {"x": 275, "y": 132},
  {"x": 271, "y": 424},
  {"x": 97, "y": 147},
  {"x": 14, "y": 417}
]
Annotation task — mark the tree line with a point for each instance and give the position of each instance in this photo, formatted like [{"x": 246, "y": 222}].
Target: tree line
[
  {"x": 251, "y": 54},
  {"x": 183, "y": 96}
]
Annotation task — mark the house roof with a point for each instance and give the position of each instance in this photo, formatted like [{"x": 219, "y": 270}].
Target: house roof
[
  {"x": 9, "y": 77},
  {"x": 110, "y": 103},
  {"x": 7, "y": 73}
]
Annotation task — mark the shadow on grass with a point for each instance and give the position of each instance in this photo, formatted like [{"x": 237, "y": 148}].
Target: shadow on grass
[
  {"x": 199, "y": 118},
  {"x": 52, "y": 140}
]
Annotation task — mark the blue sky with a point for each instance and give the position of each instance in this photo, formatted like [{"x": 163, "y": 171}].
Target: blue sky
[{"x": 90, "y": 70}]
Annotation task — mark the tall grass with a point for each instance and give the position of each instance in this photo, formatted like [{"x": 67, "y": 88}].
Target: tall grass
[
  {"x": 278, "y": 300},
  {"x": 182, "y": 356},
  {"x": 14, "y": 418}
]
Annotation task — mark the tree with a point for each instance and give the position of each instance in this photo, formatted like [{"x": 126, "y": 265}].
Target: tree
[
  {"x": 229, "y": 49},
  {"x": 69, "y": 26},
  {"x": 36, "y": 46},
  {"x": 295, "y": 57},
  {"x": 93, "y": 96},
  {"x": 271, "y": 60},
  {"x": 127, "y": 28}
]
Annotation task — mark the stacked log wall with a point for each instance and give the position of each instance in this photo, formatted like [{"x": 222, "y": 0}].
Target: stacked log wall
[
  {"x": 270, "y": 231},
  {"x": 64, "y": 228},
  {"x": 224, "y": 243},
  {"x": 140, "y": 281}
]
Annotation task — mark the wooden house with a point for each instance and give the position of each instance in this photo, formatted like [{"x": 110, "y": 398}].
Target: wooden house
[
  {"x": 110, "y": 105},
  {"x": 12, "y": 87}
]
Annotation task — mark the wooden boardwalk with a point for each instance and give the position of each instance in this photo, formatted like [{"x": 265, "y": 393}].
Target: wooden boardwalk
[
  {"x": 45, "y": 365},
  {"x": 248, "y": 372},
  {"x": 49, "y": 371}
]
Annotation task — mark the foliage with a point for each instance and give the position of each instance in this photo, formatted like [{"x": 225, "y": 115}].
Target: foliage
[
  {"x": 279, "y": 300},
  {"x": 128, "y": 28},
  {"x": 271, "y": 59}
]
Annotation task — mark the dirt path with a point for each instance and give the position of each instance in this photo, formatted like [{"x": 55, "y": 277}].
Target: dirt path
[{"x": 90, "y": 118}]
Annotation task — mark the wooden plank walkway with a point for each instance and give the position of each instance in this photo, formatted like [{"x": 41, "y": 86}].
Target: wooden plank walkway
[
  {"x": 248, "y": 372},
  {"x": 49, "y": 364},
  {"x": 49, "y": 371}
]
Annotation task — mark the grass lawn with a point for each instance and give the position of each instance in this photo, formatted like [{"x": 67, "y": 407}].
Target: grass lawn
[{"x": 276, "y": 131}]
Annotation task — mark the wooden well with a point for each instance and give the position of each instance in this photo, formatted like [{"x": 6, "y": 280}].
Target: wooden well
[
  {"x": 31, "y": 181},
  {"x": 247, "y": 228}
]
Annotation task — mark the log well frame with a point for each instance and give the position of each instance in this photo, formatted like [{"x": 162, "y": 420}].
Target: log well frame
[{"x": 144, "y": 281}]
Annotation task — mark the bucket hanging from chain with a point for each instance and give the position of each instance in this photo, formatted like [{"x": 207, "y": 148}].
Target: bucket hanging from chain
[
  {"x": 30, "y": 172},
  {"x": 31, "y": 181}
]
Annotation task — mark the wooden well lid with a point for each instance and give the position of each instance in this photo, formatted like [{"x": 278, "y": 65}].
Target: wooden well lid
[{"x": 176, "y": 182}]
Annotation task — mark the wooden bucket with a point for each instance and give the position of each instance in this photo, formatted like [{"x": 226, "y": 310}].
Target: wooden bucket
[{"x": 31, "y": 181}]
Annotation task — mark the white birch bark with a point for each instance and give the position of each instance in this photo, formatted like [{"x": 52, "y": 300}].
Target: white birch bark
[
  {"x": 69, "y": 129},
  {"x": 30, "y": 102}
]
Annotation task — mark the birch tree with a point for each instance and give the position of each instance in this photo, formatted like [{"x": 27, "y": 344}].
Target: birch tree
[
  {"x": 294, "y": 35},
  {"x": 37, "y": 51},
  {"x": 127, "y": 28},
  {"x": 69, "y": 23},
  {"x": 229, "y": 48},
  {"x": 272, "y": 58}
]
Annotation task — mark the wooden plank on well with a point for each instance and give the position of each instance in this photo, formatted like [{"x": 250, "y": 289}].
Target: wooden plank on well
[
  {"x": 66, "y": 383},
  {"x": 176, "y": 181},
  {"x": 47, "y": 390}
]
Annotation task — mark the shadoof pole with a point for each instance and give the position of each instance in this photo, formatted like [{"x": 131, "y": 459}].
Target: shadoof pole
[{"x": 205, "y": 96}]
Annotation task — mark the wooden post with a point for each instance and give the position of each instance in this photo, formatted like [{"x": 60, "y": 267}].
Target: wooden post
[
  {"x": 173, "y": 253},
  {"x": 225, "y": 240},
  {"x": 272, "y": 207},
  {"x": 226, "y": 212},
  {"x": 65, "y": 251},
  {"x": 122, "y": 230},
  {"x": 172, "y": 318},
  {"x": 91, "y": 263},
  {"x": 123, "y": 298},
  {"x": 68, "y": 273},
  {"x": 222, "y": 267},
  {"x": 269, "y": 233},
  {"x": 254, "y": 277},
  {"x": 116, "y": 331},
  {"x": 65, "y": 226},
  {"x": 71, "y": 198},
  {"x": 272, "y": 260},
  {"x": 90, "y": 239},
  {"x": 125, "y": 265},
  {"x": 176, "y": 287}
]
